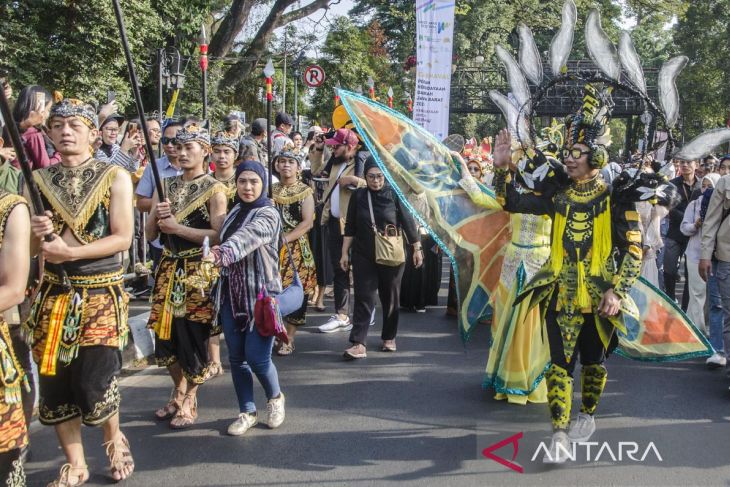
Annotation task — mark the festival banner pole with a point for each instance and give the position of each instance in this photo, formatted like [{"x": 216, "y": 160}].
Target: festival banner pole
[{"x": 269, "y": 75}]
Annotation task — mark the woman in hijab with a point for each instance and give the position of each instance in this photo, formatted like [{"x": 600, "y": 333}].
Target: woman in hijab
[
  {"x": 249, "y": 258},
  {"x": 375, "y": 202}
]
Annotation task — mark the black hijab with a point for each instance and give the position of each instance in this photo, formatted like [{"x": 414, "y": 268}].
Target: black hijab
[{"x": 243, "y": 208}]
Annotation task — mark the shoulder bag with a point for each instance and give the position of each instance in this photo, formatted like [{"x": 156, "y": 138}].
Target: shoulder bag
[{"x": 389, "y": 249}]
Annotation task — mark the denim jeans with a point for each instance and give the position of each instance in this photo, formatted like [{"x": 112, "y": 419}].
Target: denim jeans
[
  {"x": 715, "y": 312},
  {"x": 249, "y": 353},
  {"x": 722, "y": 274}
]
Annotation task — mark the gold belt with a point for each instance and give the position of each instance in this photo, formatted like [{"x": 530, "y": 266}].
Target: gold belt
[
  {"x": 195, "y": 252},
  {"x": 94, "y": 281}
]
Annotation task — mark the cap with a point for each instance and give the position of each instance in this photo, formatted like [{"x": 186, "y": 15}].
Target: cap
[
  {"x": 343, "y": 136},
  {"x": 114, "y": 116},
  {"x": 258, "y": 127},
  {"x": 283, "y": 118}
]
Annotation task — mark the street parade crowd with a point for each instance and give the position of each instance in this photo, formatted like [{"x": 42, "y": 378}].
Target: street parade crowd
[{"x": 243, "y": 237}]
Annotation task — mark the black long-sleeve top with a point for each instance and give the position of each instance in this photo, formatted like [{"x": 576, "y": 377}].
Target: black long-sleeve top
[
  {"x": 387, "y": 210},
  {"x": 676, "y": 214}
]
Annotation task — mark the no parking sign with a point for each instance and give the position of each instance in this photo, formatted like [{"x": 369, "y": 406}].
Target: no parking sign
[{"x": 314, "y": 76}]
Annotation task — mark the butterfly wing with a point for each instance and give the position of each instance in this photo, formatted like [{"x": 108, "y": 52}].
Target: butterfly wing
[
  {"x": 421, "y": 171},
  {"x": 663, "y": 333}
]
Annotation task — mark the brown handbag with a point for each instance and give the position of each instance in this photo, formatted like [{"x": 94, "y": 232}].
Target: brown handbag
[{"x": 389, "y": 249}]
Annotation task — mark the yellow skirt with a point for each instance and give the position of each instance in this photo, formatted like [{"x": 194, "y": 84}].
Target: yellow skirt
[{"x": 518, "y": 355}]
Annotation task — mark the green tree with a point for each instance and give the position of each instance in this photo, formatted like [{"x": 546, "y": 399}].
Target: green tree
[
  {"x": 352, "y": 53},
  {"x": 704, "y": 85}
]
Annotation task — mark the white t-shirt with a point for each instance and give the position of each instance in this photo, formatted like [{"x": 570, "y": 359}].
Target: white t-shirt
[{"x": 335, "y": 200}]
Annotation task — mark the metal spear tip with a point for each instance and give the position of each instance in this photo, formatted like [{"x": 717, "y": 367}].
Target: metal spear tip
[
  {"x": 269, "y": 69},
  {"x": 390, "y": 92},
  {"x": 203, "y": 36},
  {"x": 371, "y": 82}
]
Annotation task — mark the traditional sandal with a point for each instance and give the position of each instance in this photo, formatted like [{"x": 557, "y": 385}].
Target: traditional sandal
[
  {"x": 71, "y": 476},
  {"x": 172, "y": 406},
  {"x": 285, "y": 349},
  {"x": 182, "y": 419},
  {"x": 213, "y": 370},
  {"x": 120, "y": 457}
]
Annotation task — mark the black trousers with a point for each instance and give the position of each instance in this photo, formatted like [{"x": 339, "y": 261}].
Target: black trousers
[
  {"x": 369, "y": 278},
  {"x": 341, "y": 278},
  {"x": 673, "y": 252},
  {"x": 589, "y": 345}
]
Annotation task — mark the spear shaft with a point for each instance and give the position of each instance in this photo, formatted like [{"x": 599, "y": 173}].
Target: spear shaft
[{"x": 35, "y": 195}]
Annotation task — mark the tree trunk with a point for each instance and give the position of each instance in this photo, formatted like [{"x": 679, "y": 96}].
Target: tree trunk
[
  {"x": 251, "y": 56},
  {"x": 231, "y": 25}
]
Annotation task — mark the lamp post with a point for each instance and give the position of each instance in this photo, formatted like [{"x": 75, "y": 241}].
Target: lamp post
[
  {"x": 269, "y": 77},
  {"x": 297, "y": 62},
  {"x": 203, "y": 41}
]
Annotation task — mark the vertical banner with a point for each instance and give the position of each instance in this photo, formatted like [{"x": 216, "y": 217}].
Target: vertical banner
[{"x": 434, "y": 41}]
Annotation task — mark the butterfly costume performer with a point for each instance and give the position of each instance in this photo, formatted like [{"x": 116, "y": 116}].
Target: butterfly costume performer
[{"x": 595, "y": 243}]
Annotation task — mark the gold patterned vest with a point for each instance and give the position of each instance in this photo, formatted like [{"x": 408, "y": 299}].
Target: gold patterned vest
[
  {"x": 79, "y": 198},
  {"x": 189, "y": 204}
]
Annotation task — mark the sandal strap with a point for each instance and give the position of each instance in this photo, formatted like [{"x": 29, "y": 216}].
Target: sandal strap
[
  {"x": 67, "y": 471},
  {"x": 119, "y": 453}
]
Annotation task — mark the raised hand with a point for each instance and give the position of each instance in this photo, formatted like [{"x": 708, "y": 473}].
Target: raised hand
[{"x": 502, "y": 152}]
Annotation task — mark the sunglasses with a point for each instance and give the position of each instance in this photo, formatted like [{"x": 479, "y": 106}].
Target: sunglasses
[
  {"x": 168, "y": 140},
  {"x": 574, "y": 153}
]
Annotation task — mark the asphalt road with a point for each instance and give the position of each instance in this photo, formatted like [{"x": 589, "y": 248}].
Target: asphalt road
[{"x": 416, "y": 417}]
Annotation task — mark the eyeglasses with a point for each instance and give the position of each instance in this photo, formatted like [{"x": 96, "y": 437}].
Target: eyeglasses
[
  {"x": 168, "y": 140},
  {"x": 574, "y": 153},
  {"x": 111, "y": 130},
  {"x": 375, "y": 177}
]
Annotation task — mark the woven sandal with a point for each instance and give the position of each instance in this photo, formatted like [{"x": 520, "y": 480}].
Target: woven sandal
[
  {"x": 172, "y": 406},
  {"x": 71, "y": 476},
  {"x": 182, "y": 419}
]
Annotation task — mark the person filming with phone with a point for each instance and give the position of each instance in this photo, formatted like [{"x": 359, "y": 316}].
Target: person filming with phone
[{"x": 124, "y": 154}]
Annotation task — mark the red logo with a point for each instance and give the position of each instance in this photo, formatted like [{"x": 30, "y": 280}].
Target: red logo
[{"x": 514, "y": 441}]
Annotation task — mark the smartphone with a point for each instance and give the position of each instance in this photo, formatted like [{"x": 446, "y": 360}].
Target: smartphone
[
  {"x": 40, "y": 101},
  {"x": 111, "y": 96},
  {"x": 132, "y": 129}
]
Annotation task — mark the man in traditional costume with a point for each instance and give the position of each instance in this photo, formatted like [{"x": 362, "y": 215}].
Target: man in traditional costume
[
  {"x": 182, "y": 315},
  {"x": 225, "y": 151},
  {"x": 14, "y": 266},
  {"x": 595, "y": 257},
  {"x": 78, "y": 320}
]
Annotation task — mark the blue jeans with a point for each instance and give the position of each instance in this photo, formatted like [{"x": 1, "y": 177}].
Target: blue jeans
[
  {"x": 249, "y": 353},
  {"x": 715, "y": 312},
  {"x": 722, "y": 275}
]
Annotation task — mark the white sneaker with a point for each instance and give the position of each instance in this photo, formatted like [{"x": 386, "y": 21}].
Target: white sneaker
[
  {"x": 560, "y": 447},
  {"x": 583, "y": 428},
  {"x": 334, "y": 324},
  {"x": 717, "y": 360},
  {"x": 244, "y": 422},
  {"x": 275, "y": 408}
]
